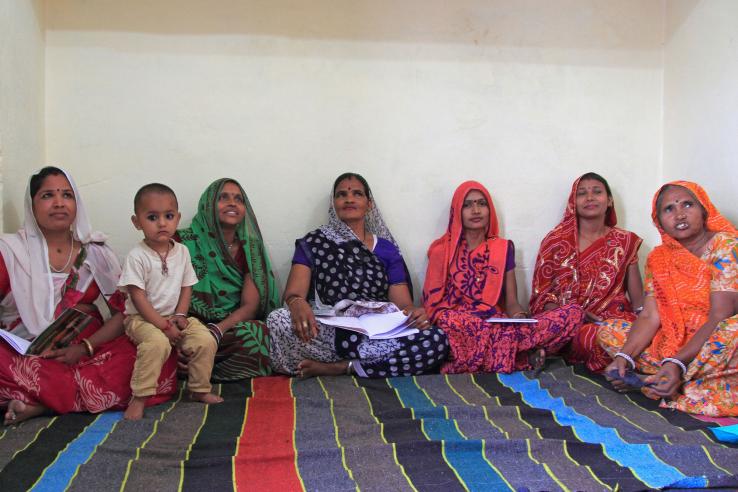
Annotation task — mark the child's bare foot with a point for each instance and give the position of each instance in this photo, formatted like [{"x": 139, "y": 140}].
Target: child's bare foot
[
  {"x": 135, "y": 409},
  {"x": 206, "y": 398},
  {"x": 309, "y": 368},
  {"x": 19, "y": 411}
]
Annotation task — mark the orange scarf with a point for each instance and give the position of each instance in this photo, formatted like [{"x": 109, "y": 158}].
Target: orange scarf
[
  {"x": 443, "y": 250},
  {"x": 681, "y": 280}
]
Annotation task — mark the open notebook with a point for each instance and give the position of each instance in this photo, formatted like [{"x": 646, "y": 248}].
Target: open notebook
[
  {"x": 59, "y": 334},
  {"x": 375, "y": 326},
  {"x": 377, "y": 320}
]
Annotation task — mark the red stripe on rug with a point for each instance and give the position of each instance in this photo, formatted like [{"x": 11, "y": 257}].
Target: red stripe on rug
[{"x": 265, "y": 455}]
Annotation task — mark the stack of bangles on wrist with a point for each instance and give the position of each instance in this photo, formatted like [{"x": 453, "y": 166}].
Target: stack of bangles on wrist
[
  {"x": 628, "y": 358},
  {"x": 675, "y": 361},
  {"x": 215, "y": 331},
  {"x": 524, "y": 313}
]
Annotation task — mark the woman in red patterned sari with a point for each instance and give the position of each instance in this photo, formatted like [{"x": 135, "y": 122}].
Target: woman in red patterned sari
[
  {"x": 588, "y": 261},
  {"x": 54, "y": 263},
  {"x": 471, "y": 278}
]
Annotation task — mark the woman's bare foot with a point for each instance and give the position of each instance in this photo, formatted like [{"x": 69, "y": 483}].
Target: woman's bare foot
[
  {"x": 537, "y": 360},
  {"x": 309, "y": 368},
  {"x": 19, "y": 411},
  {"x": 206, "y": 398},
  {"x": 135, "y": 408}
]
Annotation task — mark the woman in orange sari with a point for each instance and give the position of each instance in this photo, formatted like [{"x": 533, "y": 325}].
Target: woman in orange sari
[
  {"x": 470, "y": 279},
  {"x": 686, "y": 338},
  {"x": 589, "y": 261}
]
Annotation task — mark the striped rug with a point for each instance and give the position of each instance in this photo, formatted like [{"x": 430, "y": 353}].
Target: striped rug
[{"x": 565, "y": 430}]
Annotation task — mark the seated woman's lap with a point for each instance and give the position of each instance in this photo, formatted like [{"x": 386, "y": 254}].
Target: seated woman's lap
[
  {"x": 415, "y": 354},
  {"x": 94, "y": 384},
  {"x": 243, "y": 352},
  {"x": 503, "y": 347},
  {"x": 719, "y": 352},
  {"x": 287, "y": 350}
]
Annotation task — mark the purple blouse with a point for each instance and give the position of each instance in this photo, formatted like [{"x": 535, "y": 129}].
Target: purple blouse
[{"x": 387, "y": 252}]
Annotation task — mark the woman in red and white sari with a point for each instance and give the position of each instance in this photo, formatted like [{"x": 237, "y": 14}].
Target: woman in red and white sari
[
  {"x": 589, "y": 261},
  {"x": 54, "y": 263}
]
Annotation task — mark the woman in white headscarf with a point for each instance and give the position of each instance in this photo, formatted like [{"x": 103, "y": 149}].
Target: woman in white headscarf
[{"x": 55, "y": 264}]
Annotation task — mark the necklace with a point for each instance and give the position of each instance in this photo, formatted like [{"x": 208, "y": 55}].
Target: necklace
[
  {"x": 229, "y": 248},
  {"x": 69, "y": 259},
  {"x": 163, "y": 258}
]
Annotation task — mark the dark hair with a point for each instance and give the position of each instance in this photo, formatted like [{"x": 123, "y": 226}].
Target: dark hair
[
  {"x": 660, "y": 200},
  {"x": 152, "y": 188},
  {"x": 596, "y": 177},
  {"x": 356, "y": 176},
  {"x": 38, "y": 179}
]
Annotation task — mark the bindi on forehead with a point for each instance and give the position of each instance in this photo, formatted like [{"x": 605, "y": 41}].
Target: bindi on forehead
[{"x": 350, "y": 185}]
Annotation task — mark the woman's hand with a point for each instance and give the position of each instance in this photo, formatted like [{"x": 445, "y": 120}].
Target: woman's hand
[
  {"x": 69, "y": 355},
  {"x": 417, "y": 318},
  {"x": 550, "y": 306},
  {"x": 620, "y": 365},
  {"x": 303, "y": 319},
  {"x": 591, "y": 317},
  {"x": 666, "y": 382}
]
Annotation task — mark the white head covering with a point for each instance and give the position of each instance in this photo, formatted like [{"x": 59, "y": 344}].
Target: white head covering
[
  {"x": 26, "y": 258},
  {"x": 339, "y": 232}
]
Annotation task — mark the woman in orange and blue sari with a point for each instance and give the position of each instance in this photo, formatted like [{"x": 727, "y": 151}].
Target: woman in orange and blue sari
[
  {"x": 685, "y": 341},
  {"x": 470, "y": 279}
]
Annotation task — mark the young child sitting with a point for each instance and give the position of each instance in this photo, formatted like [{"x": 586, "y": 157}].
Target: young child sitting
[{"x": 158, "y": 277}]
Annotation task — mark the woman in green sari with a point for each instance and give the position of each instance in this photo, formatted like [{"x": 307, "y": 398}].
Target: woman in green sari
[{"x": 237, "y": 288}]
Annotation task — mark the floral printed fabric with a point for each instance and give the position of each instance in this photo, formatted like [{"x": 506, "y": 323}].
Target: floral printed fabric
[
  {"x": 712, "y": 376},
  {"x": 493, "y": 347}
]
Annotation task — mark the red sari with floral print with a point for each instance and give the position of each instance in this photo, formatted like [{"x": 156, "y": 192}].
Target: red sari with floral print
[{"x": 94, "y": 384}]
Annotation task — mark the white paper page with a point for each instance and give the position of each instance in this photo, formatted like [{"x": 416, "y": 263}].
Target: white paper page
[
  {"x": 512, "y": 320},
  {"x": 19, "y": 344},
  {"x": 377, "y": 324},
  {"x": 400, "y": 331},
  {"x": 342, "y": 322}
]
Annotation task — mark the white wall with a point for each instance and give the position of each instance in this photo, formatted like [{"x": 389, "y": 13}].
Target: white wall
[
  {"x": 701, "y": 98},
  {"x": 21, "y": 101},
  {"x": 416, "y": 95}
]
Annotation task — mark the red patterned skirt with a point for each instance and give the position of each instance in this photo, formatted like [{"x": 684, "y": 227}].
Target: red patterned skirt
[
  {"x": 94, "y": 384},
  {"x": 478, "y": 346}
]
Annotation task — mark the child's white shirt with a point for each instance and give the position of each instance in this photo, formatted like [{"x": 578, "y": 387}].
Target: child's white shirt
[{"x": 142, "y": 269}]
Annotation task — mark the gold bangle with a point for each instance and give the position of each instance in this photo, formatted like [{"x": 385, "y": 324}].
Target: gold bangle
[
  {"x": 292, "y": 300},
  {"x": 525, "y": 313},
  {"x": 88, "y": 347}
]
